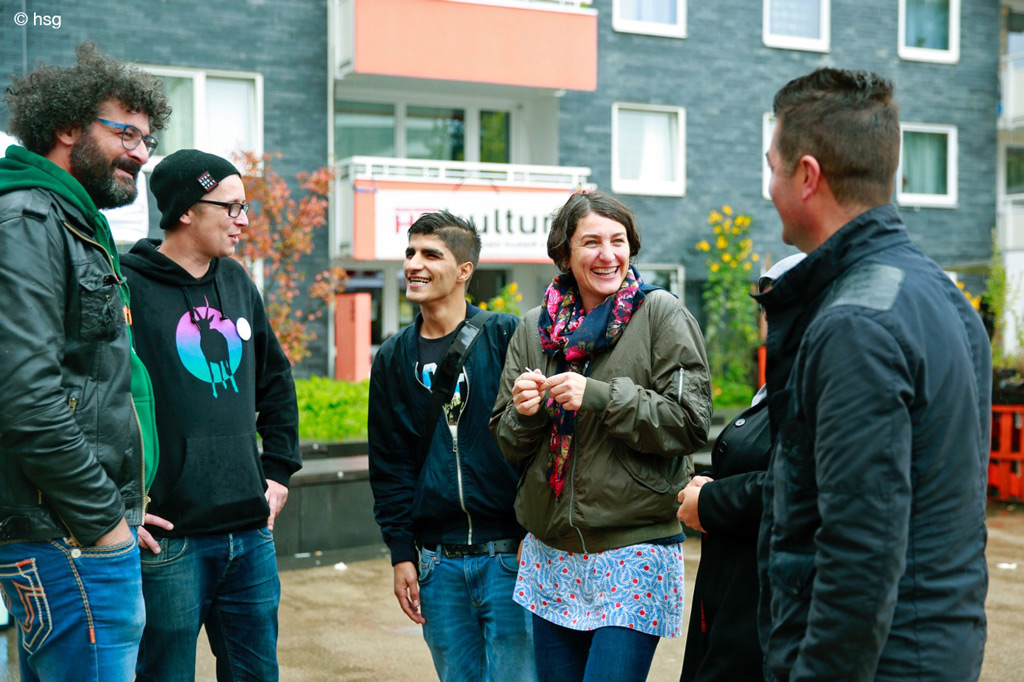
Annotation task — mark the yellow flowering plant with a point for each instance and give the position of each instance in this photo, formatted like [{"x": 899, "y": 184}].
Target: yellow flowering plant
[
  {"x": 730, "y": 330},
  {"x": 507, "y": 300}
]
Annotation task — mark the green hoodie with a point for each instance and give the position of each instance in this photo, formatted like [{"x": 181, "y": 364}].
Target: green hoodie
[{"x": 22, "y": 169}]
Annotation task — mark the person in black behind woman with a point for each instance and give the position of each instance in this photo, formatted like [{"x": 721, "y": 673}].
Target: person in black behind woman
[{"x": 722, "y": 643}]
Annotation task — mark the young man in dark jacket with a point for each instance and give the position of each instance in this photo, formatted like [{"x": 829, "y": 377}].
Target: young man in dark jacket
[
  {"x": 75, "y": 450},
  {"x": 216, "y": 364},
  {"x": 448, "y": 508},
  {"x": 879, "y": 390}
]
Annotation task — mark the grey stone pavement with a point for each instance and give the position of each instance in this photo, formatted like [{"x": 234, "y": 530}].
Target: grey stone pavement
[{"x": 344, "y": 624}]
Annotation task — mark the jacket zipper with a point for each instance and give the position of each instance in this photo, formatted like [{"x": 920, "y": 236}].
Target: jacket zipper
[
  {"x": 454, "y": 430},
  {"x": 572, "y": 477},
  {"x": 131, "y": 398},
  {"x": 142, "y": 460}
]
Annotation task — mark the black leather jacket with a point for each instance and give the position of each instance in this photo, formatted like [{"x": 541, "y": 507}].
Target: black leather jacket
[{"x": 70, "y": 446}]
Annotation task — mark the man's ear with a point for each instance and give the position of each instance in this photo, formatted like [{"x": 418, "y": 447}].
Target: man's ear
[
  {"x": 69, "y": 137},
  {"x": 465, "y": 272},
  {"x": 812, "y": 177}
]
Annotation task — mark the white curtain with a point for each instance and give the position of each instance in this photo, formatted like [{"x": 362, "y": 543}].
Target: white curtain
[
  {"x": 924, "y": 163},
  {"x": 658, "y": 11},
  {"x": 796, "y": 18},
  {"x": 231, "y": 116},
  {"x": 648, "y": 141},
  {"x": 928, "y": 24},
  {"x": 180, "y": 130}
]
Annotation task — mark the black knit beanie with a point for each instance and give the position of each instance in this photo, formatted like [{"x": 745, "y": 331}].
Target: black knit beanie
[{"x": 183, "y": 178}]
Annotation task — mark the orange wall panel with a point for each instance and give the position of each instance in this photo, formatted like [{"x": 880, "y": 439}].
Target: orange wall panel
[
  {"x": 352, "y": 336},
  {"x": 445, "y": 40}
]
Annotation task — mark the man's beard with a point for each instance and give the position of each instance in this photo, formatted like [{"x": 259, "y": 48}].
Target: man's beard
[{"x": 96, "y": 174}]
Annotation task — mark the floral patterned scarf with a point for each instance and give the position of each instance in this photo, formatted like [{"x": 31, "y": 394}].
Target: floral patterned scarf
[{"x": 574, "y": 338}]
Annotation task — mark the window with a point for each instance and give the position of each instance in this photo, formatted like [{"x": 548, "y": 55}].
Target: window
[
  {"x": 653, "y": 17},
  {"x": 648, "y": 149},
  {"x": 797, "y": 24},
  {"x": 413, "y": 131},
  {"x": 1014, "y": 170},
  {"x": 928, "y": 166},
  {"x": 435, "y": 133},
  {"x": 364, "y": 129},
  {"x": 767, "y": 130},
  {"x": 219, "y": 112},
  {"x": 930, "y": 30}
]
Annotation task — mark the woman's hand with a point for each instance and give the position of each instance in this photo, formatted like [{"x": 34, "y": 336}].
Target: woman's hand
[
  {"x": 688, "y": 498},
  {"x": 567, "y": 389},
  {"x": 527, "y": 392}
]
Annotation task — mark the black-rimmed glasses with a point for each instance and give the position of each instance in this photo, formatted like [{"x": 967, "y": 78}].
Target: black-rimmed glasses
[
  {"x": 234, "y": 208},
  {"x": 132, "y": 136}
]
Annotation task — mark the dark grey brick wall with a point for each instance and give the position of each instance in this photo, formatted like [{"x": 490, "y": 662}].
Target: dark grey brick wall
[
  {"x": 725, "y": 78},
  {"x": 284, "y": 40}
]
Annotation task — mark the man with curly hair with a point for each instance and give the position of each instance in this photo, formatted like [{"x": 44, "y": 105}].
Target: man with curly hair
[{"x": 77, "y": 446}]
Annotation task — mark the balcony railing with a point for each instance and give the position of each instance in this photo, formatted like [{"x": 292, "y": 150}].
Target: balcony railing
[{"x": 460, "y": 172}]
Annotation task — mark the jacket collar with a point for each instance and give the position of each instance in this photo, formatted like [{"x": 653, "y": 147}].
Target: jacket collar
[{"x": 874, "y": 230}]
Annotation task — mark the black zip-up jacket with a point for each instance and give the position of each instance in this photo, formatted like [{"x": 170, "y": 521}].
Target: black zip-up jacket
[
  {"x": 873, "y": 535},
  {"x": 461, "y": 495},
  {"x": 70, "y": 445},
  {"x": 216, "y": 364}
]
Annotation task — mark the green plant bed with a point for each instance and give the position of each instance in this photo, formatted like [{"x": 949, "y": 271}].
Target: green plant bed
[
  {"x": 731, "y": 393},
  {"x": 332, "y": 410}
]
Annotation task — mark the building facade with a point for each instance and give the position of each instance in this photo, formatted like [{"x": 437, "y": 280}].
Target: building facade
[{"x": 499, "y": 109}]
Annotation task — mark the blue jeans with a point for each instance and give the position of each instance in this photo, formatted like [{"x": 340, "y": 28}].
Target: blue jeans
[
  {"x": 474, "y": 630},
  {"x": 225, "y": 581},
  {"x": 611, "y": 654},
  {"x": 79, "y": 609}
]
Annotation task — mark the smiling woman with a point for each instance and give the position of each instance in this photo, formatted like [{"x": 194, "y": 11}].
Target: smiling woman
[{"x": 603, "y": 430}]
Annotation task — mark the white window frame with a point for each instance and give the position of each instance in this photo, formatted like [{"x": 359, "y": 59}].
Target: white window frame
[
  {"x": 767, "y": 128},
  {"x": 673, "y": 188},
  {"x": 820, "y": 44},
  {"x": 950, "y": 198},
  {"x": 470, "y": 107},
  {"x": 201, "y": 130},
  {"x": 927, "y": 54},
  {"x": 651, "y": 28}
]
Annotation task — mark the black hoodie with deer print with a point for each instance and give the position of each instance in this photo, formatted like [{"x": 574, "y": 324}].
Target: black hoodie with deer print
[{"x": 219, "y": 377}]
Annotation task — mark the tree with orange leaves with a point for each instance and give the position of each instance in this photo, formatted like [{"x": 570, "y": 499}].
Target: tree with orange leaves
[{"x": 280, "y": 233}]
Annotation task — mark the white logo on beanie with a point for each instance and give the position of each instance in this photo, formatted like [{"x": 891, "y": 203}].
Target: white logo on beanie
[{"x": 207, "y": 181}]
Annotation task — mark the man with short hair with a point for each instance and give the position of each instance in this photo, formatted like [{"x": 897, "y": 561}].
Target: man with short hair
[
  {"x": 76, "y": 452},
  {"x": 445, "y": 501},
  {"x": 879, "y": 389},
  {"x": 216, "y": 364}
]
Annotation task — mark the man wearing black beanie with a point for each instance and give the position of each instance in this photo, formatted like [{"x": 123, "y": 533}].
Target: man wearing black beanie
[{"x": 216, "y": 363}]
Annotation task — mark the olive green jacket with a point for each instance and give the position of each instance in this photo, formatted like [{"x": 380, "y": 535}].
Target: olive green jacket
[{"x": 646, "y": 409}]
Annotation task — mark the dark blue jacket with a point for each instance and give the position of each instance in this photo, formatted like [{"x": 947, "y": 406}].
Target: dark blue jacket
[
  {"x": 462, "y": 497},
  {"x": 879, "y": 385}
]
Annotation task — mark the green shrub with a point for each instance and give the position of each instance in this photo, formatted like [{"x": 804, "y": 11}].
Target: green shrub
[{"x": 332, "y": 410}]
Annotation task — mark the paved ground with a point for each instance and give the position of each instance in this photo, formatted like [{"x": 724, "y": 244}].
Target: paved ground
[{"x": 345, "y": 626}]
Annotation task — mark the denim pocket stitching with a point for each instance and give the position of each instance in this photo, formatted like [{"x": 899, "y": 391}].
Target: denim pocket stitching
[
  {"x": 38, "y": 623},
  {"x": 164, "y": 557},
  {"x": 109, "y": 551},
  {"x": 428, "y": 561},
  {"x": 503, "y": 561}
]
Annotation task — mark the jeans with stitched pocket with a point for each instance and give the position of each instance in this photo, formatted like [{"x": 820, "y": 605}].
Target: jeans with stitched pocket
[
  {"x": 79, "y": 609},
  {"x": 227, "y": 582},
  {"x": 474, "y": 631}
]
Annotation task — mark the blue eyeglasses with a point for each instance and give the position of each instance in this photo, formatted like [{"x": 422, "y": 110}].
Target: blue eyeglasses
[{"x": 132, "y": 136}]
